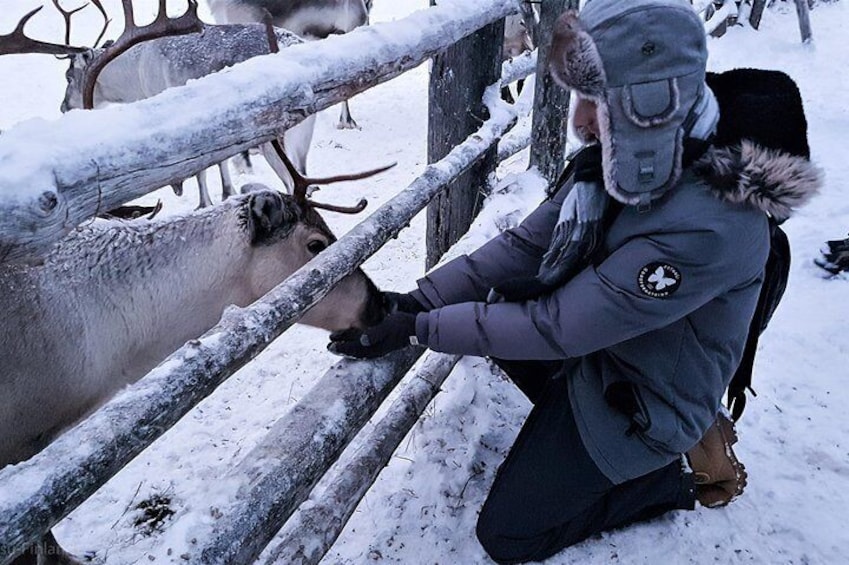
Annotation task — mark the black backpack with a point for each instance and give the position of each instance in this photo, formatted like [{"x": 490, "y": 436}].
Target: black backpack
[{"x": 765, "y": 107}]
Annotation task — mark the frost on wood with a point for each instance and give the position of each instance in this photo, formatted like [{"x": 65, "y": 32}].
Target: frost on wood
[
  {"x": 313, "y": 530},
  {"x": 519, "y": 67},
  {"x": 55, "y": 175},
  {"x": 278, "y": 474},
  {"x": 41, "y": 491}
]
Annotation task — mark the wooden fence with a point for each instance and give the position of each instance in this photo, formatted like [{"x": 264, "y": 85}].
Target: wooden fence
[{"x": 69, "y": 178}]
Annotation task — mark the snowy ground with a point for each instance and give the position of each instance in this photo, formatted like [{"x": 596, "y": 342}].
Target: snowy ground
[{"x": 424, "y": 505}]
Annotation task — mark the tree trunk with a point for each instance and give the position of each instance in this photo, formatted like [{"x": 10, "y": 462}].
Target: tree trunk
[{"x": 458, "y": 78}]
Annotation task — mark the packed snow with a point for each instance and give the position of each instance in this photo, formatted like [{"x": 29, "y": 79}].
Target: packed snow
[{"x": 423, "y": 507}]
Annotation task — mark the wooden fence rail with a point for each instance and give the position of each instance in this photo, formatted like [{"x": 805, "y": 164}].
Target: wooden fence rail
[
  {"x": 55, "y": 176},
  {"x": 308, "y": 536},
  {"x": 278, "y": 474}
]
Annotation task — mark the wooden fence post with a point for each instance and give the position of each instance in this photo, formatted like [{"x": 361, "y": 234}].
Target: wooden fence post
[
  {"x": 458, "y": 78},
  {"x": 551, "y": 102}
]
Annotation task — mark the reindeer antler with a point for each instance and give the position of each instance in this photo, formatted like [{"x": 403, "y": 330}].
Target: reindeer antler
[
  {"x": 302, "y": 183},
  {"x": 17, "y": 42},
  {"x": 162, "y": 26},
  {"x": 106, "y": 20},
  {"x": 66, "y": 15}
]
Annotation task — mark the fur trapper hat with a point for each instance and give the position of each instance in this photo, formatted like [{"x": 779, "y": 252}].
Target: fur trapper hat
[{"x": 643, "y": 63}]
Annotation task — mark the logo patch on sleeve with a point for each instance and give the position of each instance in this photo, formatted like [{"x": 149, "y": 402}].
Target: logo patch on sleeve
[{"x": 659, "y": 280}]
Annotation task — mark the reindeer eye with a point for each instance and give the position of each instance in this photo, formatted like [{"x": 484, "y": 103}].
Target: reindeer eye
[{"x": 316, "y": 246}]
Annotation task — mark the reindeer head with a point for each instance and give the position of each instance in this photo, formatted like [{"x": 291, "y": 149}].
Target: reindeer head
[
  {"x": 285, "y": 233},
  {"x": 86, "y": 64},
  {"x": 75, "y": 77}
]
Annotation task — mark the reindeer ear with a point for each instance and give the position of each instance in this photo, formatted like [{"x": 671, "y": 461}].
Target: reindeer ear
[{"x": 269, "y": 216}]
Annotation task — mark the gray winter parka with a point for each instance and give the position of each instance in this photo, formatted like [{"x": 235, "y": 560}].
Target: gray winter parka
[{"x": 665, "y": 312}]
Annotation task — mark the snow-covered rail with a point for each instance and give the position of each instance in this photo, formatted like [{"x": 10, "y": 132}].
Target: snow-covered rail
[{"x": 55, "y": 175}]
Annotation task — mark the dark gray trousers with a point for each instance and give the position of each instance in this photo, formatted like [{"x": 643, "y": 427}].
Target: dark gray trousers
[{"x": 549, "y": 494}]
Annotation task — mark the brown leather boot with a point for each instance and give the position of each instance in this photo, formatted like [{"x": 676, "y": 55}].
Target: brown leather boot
[{"x": 719, "y": 476}]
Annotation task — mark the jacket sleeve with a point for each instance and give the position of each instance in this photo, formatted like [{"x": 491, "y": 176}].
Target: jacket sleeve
[
  {"x": 515, "y": 253},
  {"x": 602, "y": 305}
]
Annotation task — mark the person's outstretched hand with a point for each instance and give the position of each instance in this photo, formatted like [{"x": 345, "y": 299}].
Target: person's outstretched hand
[{"x": 394, "y": 332}]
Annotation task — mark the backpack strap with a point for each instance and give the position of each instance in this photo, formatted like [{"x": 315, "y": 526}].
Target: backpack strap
[{"x": 775, "y": 282}]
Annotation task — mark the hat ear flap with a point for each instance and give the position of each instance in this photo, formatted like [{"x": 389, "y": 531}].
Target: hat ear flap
[{"x": 574, "y": 61}]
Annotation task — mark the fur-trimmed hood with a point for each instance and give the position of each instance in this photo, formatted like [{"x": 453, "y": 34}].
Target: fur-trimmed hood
[{"x": 771, "y": 180}]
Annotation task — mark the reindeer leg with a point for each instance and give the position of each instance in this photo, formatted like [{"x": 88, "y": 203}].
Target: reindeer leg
[
  {"x": 297, "y": 142},
  {"x": 242, "y": 162},
  {"x": 345, "y": 119},
  {"x": 203, "y": 193},
  {"x": 226, "y": 181}
]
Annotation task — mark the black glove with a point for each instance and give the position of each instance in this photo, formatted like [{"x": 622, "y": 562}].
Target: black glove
[
  {"x": 392, "y": 333},
  {"x": 402, "y": 302}
]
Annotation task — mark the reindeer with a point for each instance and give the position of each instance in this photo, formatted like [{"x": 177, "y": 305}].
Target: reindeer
[
  {"x": 115, "y": 298},
  {"x": 310, "y": 19},
  {"x": 158, "y": 63}
]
